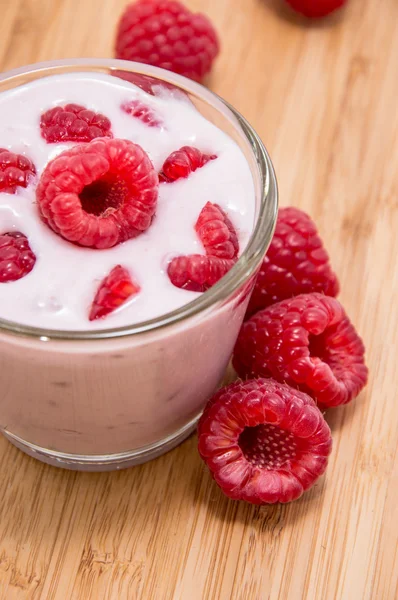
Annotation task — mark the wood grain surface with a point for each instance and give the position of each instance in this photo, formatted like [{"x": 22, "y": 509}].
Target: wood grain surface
[{"x": 324, "y": 98}]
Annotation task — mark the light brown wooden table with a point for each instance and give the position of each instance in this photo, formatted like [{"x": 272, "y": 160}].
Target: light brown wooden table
[{"x": 324, "y": 97}]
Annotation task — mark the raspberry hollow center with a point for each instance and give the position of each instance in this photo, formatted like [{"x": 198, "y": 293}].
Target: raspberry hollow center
[
  {"x": 317, "y": 347},
  {"x": 321, "y": 347},
  {"x": 104, "y": 196},
  {"x": 267, "y": 446}
]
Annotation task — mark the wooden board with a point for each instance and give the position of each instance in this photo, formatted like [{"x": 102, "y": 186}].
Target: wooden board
[{"x": 324, "y": 98}]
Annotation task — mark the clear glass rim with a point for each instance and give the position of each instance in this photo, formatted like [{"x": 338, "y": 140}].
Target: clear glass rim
[{"x": 258, "y": 242}]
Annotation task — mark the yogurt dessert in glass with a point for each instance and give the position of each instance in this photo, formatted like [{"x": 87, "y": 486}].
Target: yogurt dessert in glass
[{"x": 95, "y": 389}]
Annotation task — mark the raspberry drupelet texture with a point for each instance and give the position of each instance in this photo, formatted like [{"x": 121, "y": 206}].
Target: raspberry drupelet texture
[
  {"x": 307, "y": 342},
  {"x": 183, "y": 162},
  {"x": 16, "y": 256},
  {"x": 296, "y": 263},
  {"x": 16, "y": 170},
  {"x": 73, "y": 123},
  {"x": 263, "y": 441},
  {"x": 114, "y": 290},
  {"x": 99, "y": 194},
  {"x": 197, "y": 273},
  {"x": 216, "y": 232},
  {"x": 141, "y": 111},
  {"x": 316, "y": 8},
  {"x": 164, "y": 33}
]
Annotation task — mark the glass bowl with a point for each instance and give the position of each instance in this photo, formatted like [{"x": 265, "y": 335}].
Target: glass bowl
[{"x": 107, "y": 399}]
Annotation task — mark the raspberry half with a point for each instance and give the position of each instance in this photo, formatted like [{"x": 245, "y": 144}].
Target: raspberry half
[
  {"x": 307, "y": 342},
  {"x": 197, "y": 273},
  {"x": 166, "y": 34},
  {"x": 216, "y": 232},
  {"x": 114, "y": 290},
  {"x": 141, "y": 111},
  {"x": 183, "y": 162},
  {"x": 16, "y": 256},
  {"x": 263, "y": 441},
  {"x": 99, "y": 194},
  {"x": 316, "y": 8},
  {"x": 16, "y": 170},
  {"x": 73, "y": 123},
  {"x": 296, "y": 263}
]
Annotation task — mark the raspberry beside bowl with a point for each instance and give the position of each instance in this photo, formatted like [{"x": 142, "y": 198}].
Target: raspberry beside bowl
[{"x": 111, "y": 398}]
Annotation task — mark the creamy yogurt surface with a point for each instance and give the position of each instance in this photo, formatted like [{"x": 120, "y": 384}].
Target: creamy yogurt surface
[{"x": 58, "y": 292}]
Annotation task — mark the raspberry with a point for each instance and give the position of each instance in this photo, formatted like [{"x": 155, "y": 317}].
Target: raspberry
[
  {"x": 216, "y": 232},
  {"x": 16, "y": 170},
  {"x": 151, "y": 85},
  {"x": 296, "y": 263},
  {"x": 144, "y": 113},
  {"x": 99, "y": 194},
  {"x": 73, "y": 123},
  {"x": 183, "y": 162},
  {"x": 263, "y": 441},
  {"x": 144, "y": 82},
  {"x": 197, "y": 273},
  {"x": 114, "y": 290},
  {"x": 165, "y": 34},
  {"x": 16, "y": 256},
  {"x": 307, "y": 342},
  {"x": 316, "y": 8}
]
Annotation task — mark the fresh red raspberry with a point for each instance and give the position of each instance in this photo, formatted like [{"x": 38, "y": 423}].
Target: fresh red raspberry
[
  {"x": 114, "y": 290},
  {"x": 141, "y": 111},
  {"x": 16, "y": 256},
  {"x": 216, "y": 232},
  {"x": 296, "y": 263},
  {"x": 197, "y": 273},
  {"x": 316, "y": 8},
  {"x": 99, "y": 194},
  {"x": 183, "y": 162},
  {"x": 263, "y": 441},
  {"x": 165, "y": 34},
  {"x": 307, "y": 342},
  {"x": 73, "y": 123},
  {"x": 16, "y": 170}
]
